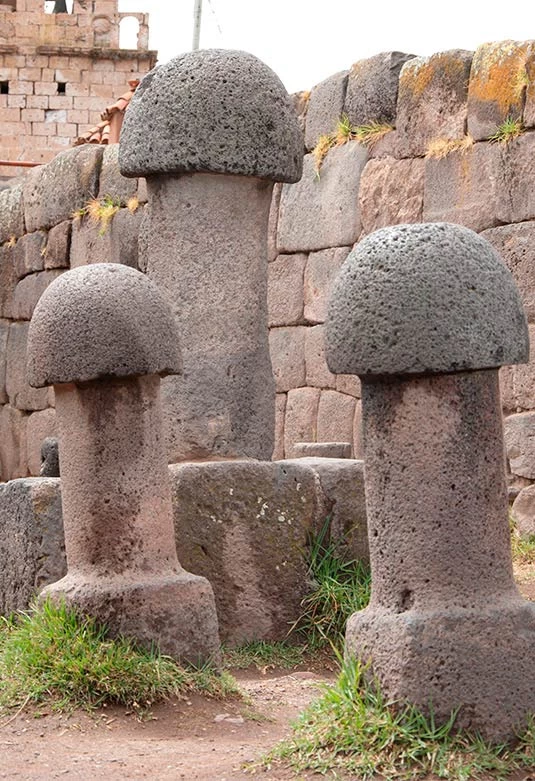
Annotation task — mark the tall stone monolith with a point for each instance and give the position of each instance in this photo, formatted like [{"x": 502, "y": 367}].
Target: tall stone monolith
[{"x": 425, "y": 315}]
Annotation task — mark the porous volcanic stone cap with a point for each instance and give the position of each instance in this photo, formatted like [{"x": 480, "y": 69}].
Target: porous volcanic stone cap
[
  {"x": 102, "y": 320},
  {"x": 212, "y": 110},
  {"x": 424, "y": 299}
]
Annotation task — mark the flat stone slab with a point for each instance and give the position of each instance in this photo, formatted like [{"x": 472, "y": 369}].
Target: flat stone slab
[
  {"x": 516, "y": 246},
  {"x": 391, "y": 192},
  {"x": 372, "y": 88},
  {"x": 325, "y": 108},
  {"x": 519, "y": 436}
]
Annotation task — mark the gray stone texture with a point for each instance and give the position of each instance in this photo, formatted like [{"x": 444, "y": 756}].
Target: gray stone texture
[
  {"x": 348, "y": 383},
  {"x": 300, "y": 423},
  {"x": 206, "y": 249},
  {"x": 12, "y": 443},
  {"x": 432, "y": 100},
  {"x": 300, "y": 101},
  {"x": 497, "y": 86},
  {"x": 50, "y": 458},
  {"x": 11, "y": 213},
  {"x": 115, "y": 243},
  {"x": 273, "y": 219},
  {"x": 287, "y": 348},
  {"x": 52, "y": 192},
  {"x": 280, "y": 410},
  {"x": 372, "y": 88},
  {"x": 245, "y": 526},
  {"x": 31, "y": 544},
  {"x": 285, "y": 290},
  {"x": 516, "y": 246},
  {"x": 58, "y": 245},
  {"x": 518, "y": 200},
  {"x": 213, "y": 110},
  {"x": 331, "y": 217},
  {"x": 446, "y": 624},
  {"x": 391, "y": 192},
  {"x": 358, "y": 432},
  {"x": 415, "y": 299},
  {"x": 523, "y": 379},
  {"x": 29, "y": 290},
  {"x": 325, "y": 107},
  {"x": 523, "y": 512},
  {"x": 29, "y": 253},
  {"x": 70, "y": 333},
  {"x": 4, "y": 332},
  {"x": 519, "y": 436},
  {"x": 8, "y": 280},
  {"x": 21, "y": 394},
  {"x": 320, "y": 273},
  {"x": 112, "y": 185},
  {"x": 317, "y": 371},
  {"x": 39, "y": 426},
  {"x": 529, "y": 106},
  {"x": 468, "y": 188},
  {"x": 335, "y": 417},
  {"x": 322, "y": 449}
]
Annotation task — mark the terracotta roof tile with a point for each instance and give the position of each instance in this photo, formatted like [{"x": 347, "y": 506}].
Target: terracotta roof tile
[{"x": 101, "y": 133}]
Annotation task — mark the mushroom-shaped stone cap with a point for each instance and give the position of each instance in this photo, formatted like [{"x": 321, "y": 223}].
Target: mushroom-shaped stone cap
[
  {"x": 212, "y": 110},
  {"x": 424, "y": 299},
  {"x": 102, "y": 320}
]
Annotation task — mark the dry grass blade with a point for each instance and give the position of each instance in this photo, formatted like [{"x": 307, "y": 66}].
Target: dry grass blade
[{"x": 439, "y": 148}]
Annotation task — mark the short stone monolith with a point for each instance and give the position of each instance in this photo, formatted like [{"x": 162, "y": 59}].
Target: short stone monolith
[
  {"x": 102, "y": 335},
  {"x": 211, "y": 131},
  {"x": 425, "y": 315}
]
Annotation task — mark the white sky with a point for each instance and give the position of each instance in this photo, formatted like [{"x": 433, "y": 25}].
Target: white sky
[{"x": 304, "y": 41}]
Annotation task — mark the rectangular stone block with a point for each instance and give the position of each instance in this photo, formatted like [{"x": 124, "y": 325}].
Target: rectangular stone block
[
  {"x": 245, "y": 526},
  {"x": 468, "y": 188},
  {"x": 321, "y": 270},
  {"x": 497, "y": 86},
  {"x": 4, "y": 331},
  {"x": 516, "y": 246},
  {"x": 372, "y": 88},
  {"x": 39, "y": 426},
  {"x": 112, "y": 184},
  {"x": 8, "y": 280},
  {"x": 285, "y": 290},
  {"x": 29, "y": 254},
  {"x": 529, "y": 106},
  {"x": 287, "y": 350},
  {"x": 349, "y": 384},
  {"x": 11, "y": 213},
  {"x": 317, "y": 371},
  {"x": 272, "y": 221},
  {"x": 301, "y": 420},
  {"x": 21, "y": 395},
  {"x": 391, "y": 192},
  {"x": 518, "y": 201},
  {"x": 54, "y": 191},
  {"x": 58, "y": 246},
  {"x": 325, "y": 107},
  {"x": 358, "y": 432},
  {"x": 519, "y": 436},
  {"x": 319, "y": 213},
  {"x": 280, "y": 409},
  {"x": 335, "y": 417},
  {"x": 12, "y": 444},
  {"x": 28, "y": 292},
  {"x": 32, "y": 542},
  {"x": 117, "y": 242}
]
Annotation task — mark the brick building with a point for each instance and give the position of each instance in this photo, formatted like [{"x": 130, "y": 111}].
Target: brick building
[{"x": 59, "y": 70}]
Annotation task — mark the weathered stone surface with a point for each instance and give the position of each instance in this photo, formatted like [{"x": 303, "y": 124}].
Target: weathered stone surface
[
  {"x": 280, "y": 410},
  {"x": 322, "y": 449},
  {"x": 391, "y": 192},
  {"x": 331, "y": 217},
  {"x": 497, "y": 85},
  {"x": 523, "y": 511},
  {"x": 506, "y": 389},
  {"x": 244, "y": 526},
  {"x": 112, "y": 185},
  {"x": 325, "y": 107},
  {"x": 285, "y": 290},
  {"x": 519, "y": 435},
  {"x": 29, "y": 290},
  {"x": 300, "y": 424},
  {"x": 529, "y": 107},
  {"x": 358, "y": 432},
  {"x": 372, "y": 89},
  {"x": 317, "y": 371},
  {"x": 518, "y": 200},
  {"x": 11, "y": 213},
  {"x": 415, "y": 299},
  {"x": 432, "y": 100},
  {"x": 4, "y": 331},
  {"x": 287, "y": 349},
  {"x": 29, "y": 253},
  {"x": 39, "y": 426},
  {"x": 524, "y": 379},
  {"x": 335, "y": 417},
  {"x": 21, "y": 395},
  {"x": 8, "y": 280},
  {"x": 320, "y": 273},
  {"x": 31, "y": 543},
  {"x": 466, "y": 187},
  {"x": 69, "y": 338},
  {"x": 58, "y": 246},
  {"x": 342, "y": 486},
  {"x": 516, "y": 246},
  {"x": 272, "y": 252},
  {"x": 348, "y": 383},
  {"x": 300, "y": 101},
  {"x": 212, "y": 110},
  {"x": 12, "y": 443},
  {"x": 50, "y": 458},
  {"x": 116, "y": 243}
]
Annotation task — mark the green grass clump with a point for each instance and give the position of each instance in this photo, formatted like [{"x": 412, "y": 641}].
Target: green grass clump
[
  {"x": 344, "y": 132},
  {"x": 264, "y": 655},
  {"x": 52, "y": 653},
  {"x": 509, "y": 129},
  {"x": 354, "y": 729}
]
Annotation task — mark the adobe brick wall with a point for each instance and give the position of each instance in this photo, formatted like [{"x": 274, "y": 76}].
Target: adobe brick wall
[{"x": 39, "y": 52}]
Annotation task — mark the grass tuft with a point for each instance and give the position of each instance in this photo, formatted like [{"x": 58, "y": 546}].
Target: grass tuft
[
  {"x": 133, "y": 204},
  {"x": 508, "y": 131},
  {"x": 354, "y": 729},
  {"x": 344, "y": 132},
  {"x": 439, "y": 148},
  {"x": 103, "y": 211},
  {"x": 51, "y": 652},
  {"x": 264, "y": 656}
]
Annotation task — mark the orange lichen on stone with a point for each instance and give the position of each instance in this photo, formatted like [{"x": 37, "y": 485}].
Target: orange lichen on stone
[
  {"x": 418, "y": 74},
  {"x": 499, "y": 75}
]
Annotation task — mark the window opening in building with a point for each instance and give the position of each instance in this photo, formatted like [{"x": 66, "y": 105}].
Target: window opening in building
[
  {"x": 128, "y": 32},
  {"x": 61, "y": 87},
  {"x": 58, "y": 6},
  {"x": 4, "y": 87}
]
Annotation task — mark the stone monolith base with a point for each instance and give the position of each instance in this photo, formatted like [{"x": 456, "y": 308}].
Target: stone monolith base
[{"x": 175, "y": 612}]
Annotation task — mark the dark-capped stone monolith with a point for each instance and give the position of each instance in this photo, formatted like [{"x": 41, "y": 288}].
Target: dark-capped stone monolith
[
  {"x": 102, "y": 336},
  {"x": 425, "y": 315},
  {"x": 212, "y": 131}
]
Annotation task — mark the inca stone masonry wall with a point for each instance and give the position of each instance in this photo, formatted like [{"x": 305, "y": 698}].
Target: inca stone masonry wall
[{"x": 453, "y": 99}]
